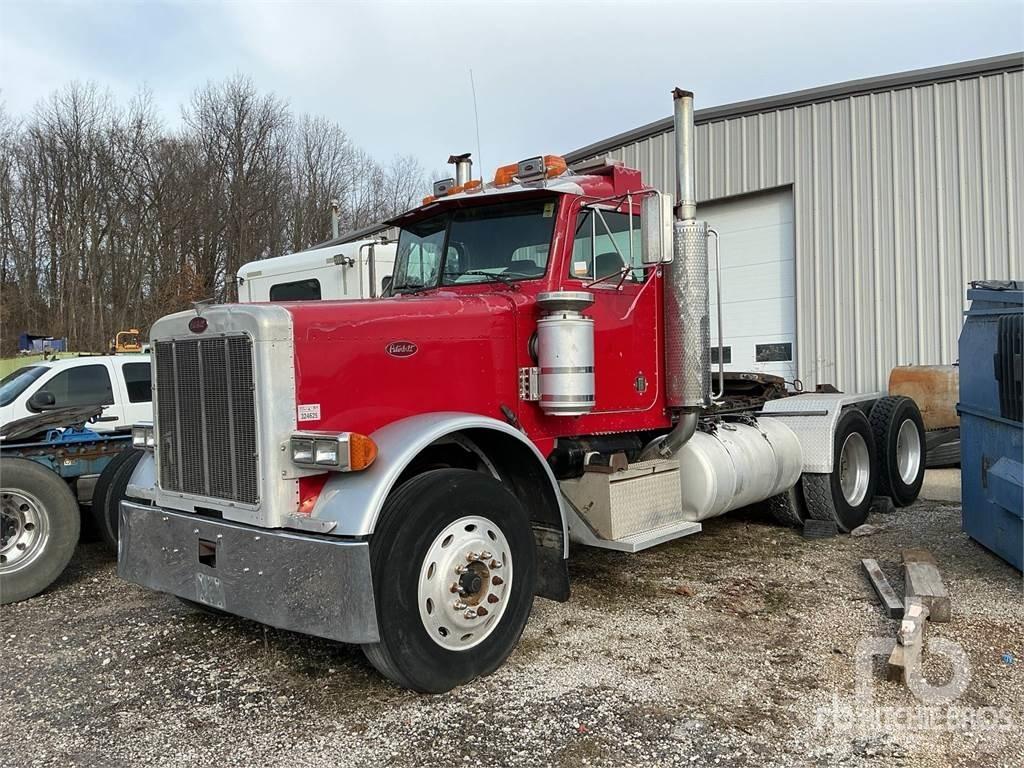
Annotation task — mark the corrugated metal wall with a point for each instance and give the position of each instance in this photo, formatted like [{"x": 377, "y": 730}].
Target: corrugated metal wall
[{"x": 901, "y": 196}]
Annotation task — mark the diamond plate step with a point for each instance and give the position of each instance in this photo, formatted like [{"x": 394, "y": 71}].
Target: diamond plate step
[{"x": 581, "y": 533}]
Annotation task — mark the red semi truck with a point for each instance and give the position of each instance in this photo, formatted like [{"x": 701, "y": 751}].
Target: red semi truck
[{"x": 407, "y": 473}]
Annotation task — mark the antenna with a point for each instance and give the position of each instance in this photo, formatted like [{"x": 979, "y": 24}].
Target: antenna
[{"x": 476, "y": 117}]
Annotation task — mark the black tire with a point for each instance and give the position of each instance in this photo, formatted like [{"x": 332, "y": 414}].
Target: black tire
[
  {"x": 942, "y": 448},
  {"x": 410, "y": 525},
  {"x": 110, "y": 489},
  {"x": 823, "y": 493},
  {"x": 57, "y": 515},
  {"x": 888, "y": 416},
  {"x": 788, "y": 508}
]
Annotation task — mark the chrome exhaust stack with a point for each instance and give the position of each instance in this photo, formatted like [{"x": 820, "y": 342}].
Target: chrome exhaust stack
[
  {"x": 687, "y": 309},
  {"x": 463, "y": 168}
]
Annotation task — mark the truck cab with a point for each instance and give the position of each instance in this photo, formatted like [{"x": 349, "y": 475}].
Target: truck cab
[
  {"x": 356, "y": 270},
  {"x": 407, "y": 472}
]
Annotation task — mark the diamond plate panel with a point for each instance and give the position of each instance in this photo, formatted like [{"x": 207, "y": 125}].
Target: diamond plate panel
[{"x": 815, "y": 432}]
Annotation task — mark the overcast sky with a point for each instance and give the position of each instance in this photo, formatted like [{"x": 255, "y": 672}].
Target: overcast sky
[{"x": 550, "y": 76}]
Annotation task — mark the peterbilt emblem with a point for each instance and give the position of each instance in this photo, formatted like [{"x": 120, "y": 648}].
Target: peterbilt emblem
[
  {"x": 197, "y": 324},
  {"x": 401, "y": 349}
]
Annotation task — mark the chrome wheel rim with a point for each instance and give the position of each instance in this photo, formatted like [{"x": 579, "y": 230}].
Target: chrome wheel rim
[
  {"x": 854, "y": 468},
  {"x": 465, "y": 581},
  {"x": 24, "y": 529},
  {"x": 908, "y": 451}
]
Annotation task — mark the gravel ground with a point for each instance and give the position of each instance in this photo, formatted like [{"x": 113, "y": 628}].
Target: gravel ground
[{"x": 732, "y": 647}]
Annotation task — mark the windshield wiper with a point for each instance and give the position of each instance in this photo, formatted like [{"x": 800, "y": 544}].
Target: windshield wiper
[{"x": 492, "y": 275}]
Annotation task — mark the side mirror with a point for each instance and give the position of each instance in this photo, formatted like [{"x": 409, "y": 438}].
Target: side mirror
[
  {"x": 41, "y": 401},
  {"x": 656, "y": 228}
]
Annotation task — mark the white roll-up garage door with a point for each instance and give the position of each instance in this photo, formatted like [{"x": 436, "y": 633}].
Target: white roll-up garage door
[{"x": 758, "y": 282}]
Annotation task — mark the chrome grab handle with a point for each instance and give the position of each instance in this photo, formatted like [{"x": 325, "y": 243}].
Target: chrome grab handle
[{"x": 716, "y": 396}]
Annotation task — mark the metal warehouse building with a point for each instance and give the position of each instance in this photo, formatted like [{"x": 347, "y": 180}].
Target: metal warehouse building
[{"x": 852, "y": 216}]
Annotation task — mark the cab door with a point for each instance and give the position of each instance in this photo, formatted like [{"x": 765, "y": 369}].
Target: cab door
[{"x": 625, "y": 309}]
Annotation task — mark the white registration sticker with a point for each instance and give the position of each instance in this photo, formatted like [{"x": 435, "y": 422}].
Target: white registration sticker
[
  {"x": 579, "y": 268},
  {"x": 309, "y": 412}
]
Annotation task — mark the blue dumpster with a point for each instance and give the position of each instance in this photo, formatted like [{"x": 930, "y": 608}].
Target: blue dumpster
[{"x": 991, "y": 418}]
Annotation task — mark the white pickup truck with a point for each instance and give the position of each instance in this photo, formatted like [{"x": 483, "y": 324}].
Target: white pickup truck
[{"x": 120, "y": 383}]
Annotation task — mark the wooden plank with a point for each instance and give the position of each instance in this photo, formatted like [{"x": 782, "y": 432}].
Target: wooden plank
[
  {"x": 886, "y": 594},
  {"x": 924, "y": 582},
  {"x": 907, "y": 652}
]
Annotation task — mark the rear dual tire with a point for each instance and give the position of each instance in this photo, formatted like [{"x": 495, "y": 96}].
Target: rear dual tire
[
  {"x": 453, "y": 568},
  {"x": 844, "y": 495},
  {"x": 899, "y": 435}
]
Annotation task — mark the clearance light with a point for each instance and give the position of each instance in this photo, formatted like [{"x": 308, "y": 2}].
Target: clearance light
[
  {"x": 533, "y": 169},
  {"x": 429, "y": 199},
  {"x": 456, "y": 190},
  {"x": 342, "y": 451},
  {"x": 443, "y": 187},
  {"x": 473, "y": 185}
]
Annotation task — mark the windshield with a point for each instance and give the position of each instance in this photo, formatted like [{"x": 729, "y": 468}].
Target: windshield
[
  {"x": 509, "y": 241},
  {"x": 15, "y": 382}
]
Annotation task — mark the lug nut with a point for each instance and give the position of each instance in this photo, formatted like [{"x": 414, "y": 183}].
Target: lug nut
[
  {"x": 460, "y": 569},
  {"x": 455, "y": 588},
  {"x": 485, "y": 555},
  {"x": 471, "y": 556},
  {"x": 495, "y": 564},
  {"x": 459, "y": 605},
  {"x": 470, "y": 614}
]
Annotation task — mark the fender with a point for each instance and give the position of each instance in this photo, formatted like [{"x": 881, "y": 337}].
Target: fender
[
  {"x": 354, "y": 499},
  {"x": 142, "y": 483}
]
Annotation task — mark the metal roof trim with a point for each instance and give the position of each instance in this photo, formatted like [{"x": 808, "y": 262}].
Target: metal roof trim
[{"x": 974, "y": 68}]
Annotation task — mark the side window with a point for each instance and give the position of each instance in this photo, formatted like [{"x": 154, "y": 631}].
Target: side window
[
  {"x": 137, "y": 382},
  {"x": 424, "y": 260},
  {"x": 300, "y": 290},
  {"x": 601, "y": 246},
  {"x": 82, "y": 385}
]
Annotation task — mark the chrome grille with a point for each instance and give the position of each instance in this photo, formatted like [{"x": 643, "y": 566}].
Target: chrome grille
[{"x": 206, "y": 417}]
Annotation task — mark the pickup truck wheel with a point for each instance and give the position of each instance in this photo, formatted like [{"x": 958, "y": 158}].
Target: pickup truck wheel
[
  {"x": 902, "y": 448},
  {"x": 110, "y": 489},
  {"x": 453, "y": 568},
  {"x": 39, "y": 527},
  {"x": 844, "y": 495}
]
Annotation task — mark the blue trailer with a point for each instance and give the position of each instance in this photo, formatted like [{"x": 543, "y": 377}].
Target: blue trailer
[
  {"x": 42, "y": 459},
  {"x": 991, "y": 411}
]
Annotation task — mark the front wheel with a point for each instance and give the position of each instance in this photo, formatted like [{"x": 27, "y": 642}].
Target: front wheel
[
  {"x": 453, "y": 571},
  {"x": 39, "y": 527}
]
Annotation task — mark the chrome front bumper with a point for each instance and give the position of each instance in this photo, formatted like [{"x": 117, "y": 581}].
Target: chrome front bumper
[{"x": 310, "y": 584}]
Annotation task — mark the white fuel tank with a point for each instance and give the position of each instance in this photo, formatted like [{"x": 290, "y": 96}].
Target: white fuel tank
[{"x": 737, "y": 465}]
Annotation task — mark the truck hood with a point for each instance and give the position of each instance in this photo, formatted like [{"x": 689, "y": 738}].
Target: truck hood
[{"x": 362, "y": 364}]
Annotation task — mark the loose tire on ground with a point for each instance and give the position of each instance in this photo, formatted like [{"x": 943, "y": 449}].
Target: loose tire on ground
[
  {"x": 110, "y": 489},
  {"x": 844, "y": 495},
  {"x": 430, "y": 542},
  {"x": 788, "y": 508},
  {"x": 39, "y": 527},
  {"x": 902, "y": 448}
]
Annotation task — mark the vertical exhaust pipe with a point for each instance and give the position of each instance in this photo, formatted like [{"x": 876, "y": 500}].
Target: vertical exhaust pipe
[
  {"x": 335, "y": 219},
  {"x": 687, "y": 308},
  {"x": 463, "y": 168}
]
